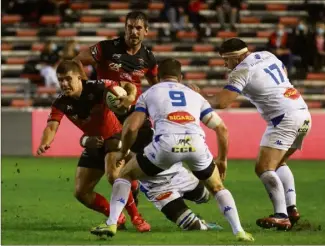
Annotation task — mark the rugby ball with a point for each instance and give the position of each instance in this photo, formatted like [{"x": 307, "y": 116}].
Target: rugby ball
[{"x": 111, "y": 99}]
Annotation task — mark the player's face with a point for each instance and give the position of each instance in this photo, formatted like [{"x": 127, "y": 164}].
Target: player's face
[
  {"x": 135, "y": 32},
  {"x": 231, "y": 62},
  {"x": 70, "y": 84}
]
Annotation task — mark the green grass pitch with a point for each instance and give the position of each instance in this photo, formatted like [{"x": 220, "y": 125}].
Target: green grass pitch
[{"x": 38, "y": 207}]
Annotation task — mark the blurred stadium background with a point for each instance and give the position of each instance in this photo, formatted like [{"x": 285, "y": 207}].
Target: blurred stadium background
[{"x": 37, "y": 34}]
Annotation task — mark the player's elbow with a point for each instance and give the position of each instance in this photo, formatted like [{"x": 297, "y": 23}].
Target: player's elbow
[{"x": 132, "y": 127}]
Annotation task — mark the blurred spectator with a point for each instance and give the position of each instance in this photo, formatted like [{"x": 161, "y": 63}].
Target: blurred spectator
[
  {"x": 49, "y": 53},
  {"x": 318, "y": 46},
  {"x": 279, "y": 44},
  {"x": 49, "y": 59},
  {"x": 48, "y": 72},
  {"x": 70, "y": 50},
  {"x": 229, "y": 7},
  {"x": 193, "y": 11},
  {"x": 175, "y": 14},
  {"x": 301, "y": 47}
]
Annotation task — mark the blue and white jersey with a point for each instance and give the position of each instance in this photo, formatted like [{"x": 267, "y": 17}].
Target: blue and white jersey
[
  {"x": 262, "y": 79},
  {"x": 174, "y": 108}
]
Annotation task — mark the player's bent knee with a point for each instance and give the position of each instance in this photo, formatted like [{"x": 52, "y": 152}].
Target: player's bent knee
[
  {"x": 205, "y": 173},
  {"x": 199, "y": 195}
]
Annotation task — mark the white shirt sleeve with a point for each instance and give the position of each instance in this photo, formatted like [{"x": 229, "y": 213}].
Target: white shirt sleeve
[
  {"x": 141, "y": 105},
  {"x": 237, "y": 79},
  {"x": 205, "y": 108}
]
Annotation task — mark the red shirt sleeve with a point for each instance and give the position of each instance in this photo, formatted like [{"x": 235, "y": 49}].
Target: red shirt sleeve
[{"x": 55, "y": 115}]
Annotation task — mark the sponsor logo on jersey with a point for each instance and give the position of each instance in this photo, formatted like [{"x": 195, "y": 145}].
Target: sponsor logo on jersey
[
  {"x": 115, "y": 66},
  {"x": 292, "y": 93},
  {"x": 163, "y": 196},
  {"x": 138, "y": 73},
  {"x": 305, "y": 127},
  {"x": 126, "y": 76},
  {"x": 184, "y": 145},
  {"x": 180, "y": 117},
  {"x": 117, "y": 56}
]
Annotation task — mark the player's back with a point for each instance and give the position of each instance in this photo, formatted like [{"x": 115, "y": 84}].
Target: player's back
[
  {"x": 174, "y": 108},
  {"x": 267, "y": 85}
]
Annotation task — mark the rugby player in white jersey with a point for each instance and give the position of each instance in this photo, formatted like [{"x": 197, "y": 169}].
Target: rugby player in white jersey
[
  {"x": 168, "y": 190},
  {"x": 262, "y": 78},
  {"x": 176, "y": 111}
]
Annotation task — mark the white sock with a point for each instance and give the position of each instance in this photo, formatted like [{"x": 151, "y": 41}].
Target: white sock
[
  {"x": 120, "y": 194},
  {"x": 228, "y": 207},
  {"x": 288, "y": 182},
  {"x": 275, "y": 190}
]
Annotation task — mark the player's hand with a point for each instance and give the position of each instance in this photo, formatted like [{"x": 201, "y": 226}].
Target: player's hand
[
  {"x": 42, "y": 149},
  {"x": 120, "y": 156},
  {"x": 222, "y": 167},
  {"x": 125, "y": 101},
  {"x": 94, "y": 142}
]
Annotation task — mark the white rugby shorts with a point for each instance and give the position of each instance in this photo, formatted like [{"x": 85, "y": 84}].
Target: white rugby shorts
[{"x": 290, "y": 132}]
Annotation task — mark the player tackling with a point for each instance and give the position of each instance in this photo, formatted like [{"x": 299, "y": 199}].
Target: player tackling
[
  {"x": 176, "y": 111},
  {"x": 262, "y": 78}
]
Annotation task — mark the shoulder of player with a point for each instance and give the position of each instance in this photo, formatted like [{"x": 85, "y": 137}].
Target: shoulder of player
[
  {"x": 60, "y": 101},
  {"x": 148, "y": 53}
]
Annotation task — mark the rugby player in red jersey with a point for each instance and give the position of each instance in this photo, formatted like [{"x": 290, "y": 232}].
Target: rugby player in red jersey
[{"x": 82, "y": 102}]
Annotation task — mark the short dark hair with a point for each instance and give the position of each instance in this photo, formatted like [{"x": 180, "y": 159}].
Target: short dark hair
[
  {"x": 68, "y": 65},
  {"x": 231, "y": 45},
  {"x": 138, "y": 15},
  {"x": 169, "y": 68}
]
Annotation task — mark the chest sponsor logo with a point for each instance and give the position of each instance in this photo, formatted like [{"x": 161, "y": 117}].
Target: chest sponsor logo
[
  {"x": 139, "y": 73},
  {"x": 126, "y": 76},
  {"x": 117, "y": 56},
  {"x": 115, "y": 66},
  {"x": 292, "y": 93},
  {"x": 180, "y": 117}
]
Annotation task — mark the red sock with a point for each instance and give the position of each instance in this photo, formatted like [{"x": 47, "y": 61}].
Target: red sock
[
  {"x": 100, "y": 204},
  {"x": 131, "y": 207},
  {"x": 134, "y": 185}
]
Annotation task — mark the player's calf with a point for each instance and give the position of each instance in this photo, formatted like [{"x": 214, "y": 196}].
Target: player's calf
[{"x": 180, "y": 214}]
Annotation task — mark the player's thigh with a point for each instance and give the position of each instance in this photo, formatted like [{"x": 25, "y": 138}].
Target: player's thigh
[
  {"x": 89, "y": 171},
  {"x": 213, "y": 183},
  {"x": 268, "y": 159},
  {"x": 200, "y": 159}
]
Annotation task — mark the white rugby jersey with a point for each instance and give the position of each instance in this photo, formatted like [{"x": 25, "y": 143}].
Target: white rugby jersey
[
  {"x": 174, "y": 108},
  {"x": 262, "y": 79}
]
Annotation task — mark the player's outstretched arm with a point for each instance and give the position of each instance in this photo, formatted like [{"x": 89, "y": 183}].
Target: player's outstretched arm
[
  {"x": 225, "y": 97},
  {"x": 130, "y": 130},
  {"x": 214, "y": 122},
  {"x": 48, "y": 136}
]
